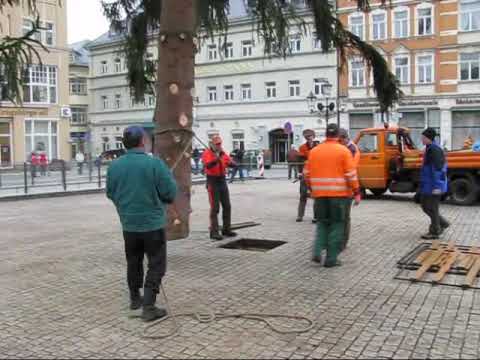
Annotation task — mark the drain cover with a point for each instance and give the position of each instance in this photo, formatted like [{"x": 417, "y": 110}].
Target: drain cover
[{"x": 253, "y": 244}]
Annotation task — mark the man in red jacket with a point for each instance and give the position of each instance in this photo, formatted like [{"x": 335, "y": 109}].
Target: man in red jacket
[{"x": 216, "y": 162}]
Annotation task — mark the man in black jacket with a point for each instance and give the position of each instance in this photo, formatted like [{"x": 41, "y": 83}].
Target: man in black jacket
[{"x": 237, "y": 156}]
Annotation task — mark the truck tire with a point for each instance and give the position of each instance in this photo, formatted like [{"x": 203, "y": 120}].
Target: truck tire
[
  {"x": 378, "y": 192},
  {"x": 463, "y": 191}
]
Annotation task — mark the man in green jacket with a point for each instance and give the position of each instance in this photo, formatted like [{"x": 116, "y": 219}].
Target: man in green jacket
[{"x": 140, "y": 185}]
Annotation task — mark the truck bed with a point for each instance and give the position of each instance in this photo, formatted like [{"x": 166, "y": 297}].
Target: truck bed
[{"x": 457, "y": 159}]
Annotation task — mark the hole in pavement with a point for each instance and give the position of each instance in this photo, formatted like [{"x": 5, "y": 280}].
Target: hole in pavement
[{"x": 260, "y": 245}]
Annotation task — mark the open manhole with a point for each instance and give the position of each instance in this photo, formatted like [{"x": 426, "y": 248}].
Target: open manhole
[{"x": 253, "y": 244}]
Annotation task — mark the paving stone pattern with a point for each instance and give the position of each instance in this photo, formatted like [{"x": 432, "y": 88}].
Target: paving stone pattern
[{"x": 63, "y": 288}]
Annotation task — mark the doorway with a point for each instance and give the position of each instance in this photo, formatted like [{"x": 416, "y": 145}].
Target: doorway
[
  {"x": 5, "y": 144},
  {"x": 279, "y": 145}
]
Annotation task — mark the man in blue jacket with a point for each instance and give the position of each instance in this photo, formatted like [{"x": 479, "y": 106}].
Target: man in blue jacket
[
  {"x": 140, "y": 185},
  {"x": 433, "y": 183}
]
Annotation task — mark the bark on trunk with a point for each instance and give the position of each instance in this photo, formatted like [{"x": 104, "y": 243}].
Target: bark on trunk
[{"x": 175, "y": 74}]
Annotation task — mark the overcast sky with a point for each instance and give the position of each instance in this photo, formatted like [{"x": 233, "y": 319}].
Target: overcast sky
[{"x": 85, "y": 20}]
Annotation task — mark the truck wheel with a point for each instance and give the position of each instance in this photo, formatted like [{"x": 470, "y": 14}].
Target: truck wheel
[
  {"x": 378, "y": 192},
  {"x": 463, "y": 191}
]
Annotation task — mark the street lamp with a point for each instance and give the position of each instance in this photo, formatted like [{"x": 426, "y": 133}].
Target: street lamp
[{"x": 312, "y": 101}]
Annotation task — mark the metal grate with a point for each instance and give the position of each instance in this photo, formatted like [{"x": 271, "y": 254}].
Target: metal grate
[{"x": 259, "y": 245}]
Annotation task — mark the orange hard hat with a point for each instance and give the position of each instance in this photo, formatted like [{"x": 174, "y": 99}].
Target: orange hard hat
[{"x": 216, "y": 139}]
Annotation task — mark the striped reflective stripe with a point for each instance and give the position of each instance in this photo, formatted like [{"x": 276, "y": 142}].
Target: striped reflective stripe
[
  {"x": 351, "y": 173},
  {"x": 330, "y": 187},
  {"x": 329, "y": 180}
]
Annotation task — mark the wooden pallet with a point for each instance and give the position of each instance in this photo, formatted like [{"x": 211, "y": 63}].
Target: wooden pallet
[{"x": 431, "y": 262}]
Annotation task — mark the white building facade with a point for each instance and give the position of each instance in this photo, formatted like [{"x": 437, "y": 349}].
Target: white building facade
[{"x": 241, "y": 95}]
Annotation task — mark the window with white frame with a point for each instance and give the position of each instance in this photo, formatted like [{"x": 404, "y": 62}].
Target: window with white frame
[
  {"x": 41, "y": 135},
  {"x": 118, "y": 101},
  {"x": 247, "y": 47},
  {"x": 228, "y": 92},
  {"x": 117, "y": 65},
  {"x": 469, "y": 66},
  {"x": 3, "y": 83},
  {"x": 105, "y": 143},
  {"x": 424, "y": 20},
  {"x": 78, "y": 86},
  {"x": 228, "y": 50},
  {"x": 104, "y": 67},
  {"x": 469, "y": 15},
  {"x": 118, "y": 142},
  {"x": 425, "y": 69},
  {"x": 212, "y": 52},
  {"x": 238, "y": 140},
  {"x": 379, "y": 25},
  {"x": 104, "y": 102},
  {"x": 246, "y": 92},
  {"x": 45, "y": 34},
  {"x": 356, "y": 25},
  {"x": 294, "y": 88},
  {"x": 40, "y": 84},
  {"x": 271, "y": 89},
  {"x": 402, "y": 66},
  {"x": 317, "y": 86},
  {"x": 317, "y": 44},
  {"x": 295, "y": 44},
  {"x": 400, "y": 23},
  {"x": 357, "y": 73},
  {"x": 79, "y": 115},
  {"x": 212, "y": 93}
]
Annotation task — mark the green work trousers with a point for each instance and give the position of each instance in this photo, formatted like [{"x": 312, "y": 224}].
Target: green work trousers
[{"x": 331, "y": 215}]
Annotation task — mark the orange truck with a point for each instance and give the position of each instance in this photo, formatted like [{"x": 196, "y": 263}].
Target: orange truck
[{"x": 390, "y": 161}]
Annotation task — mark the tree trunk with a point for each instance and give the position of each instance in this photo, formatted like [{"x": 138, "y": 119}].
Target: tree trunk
[{"x": 173, "y": 113}]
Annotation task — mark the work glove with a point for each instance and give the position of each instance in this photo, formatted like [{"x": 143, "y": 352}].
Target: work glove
[
  {"x": 437, "y": 192},
  {"x": 356, "y": 199}
]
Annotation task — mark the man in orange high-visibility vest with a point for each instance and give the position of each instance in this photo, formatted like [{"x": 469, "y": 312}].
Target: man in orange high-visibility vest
[
  {"x": 355, "y": 151},
  {"x": 332, "y": 178}
]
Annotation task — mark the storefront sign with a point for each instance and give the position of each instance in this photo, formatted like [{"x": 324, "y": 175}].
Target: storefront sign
[
  {"x": 461, "y": 101},
  {"x": 28, "y": 113},
  {"x": 359, "y": 104},
  {"x": 417, "y": 102}
]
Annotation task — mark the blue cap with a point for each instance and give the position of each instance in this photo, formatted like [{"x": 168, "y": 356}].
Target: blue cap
[{"x": 132, "y": 136}]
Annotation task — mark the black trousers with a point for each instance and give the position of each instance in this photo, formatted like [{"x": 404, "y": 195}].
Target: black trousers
[
  {"x": 293, "y": 167},
  {"x": 153, "y": 244},
  {"x": 303, "y": 200},
  {"x": 218, "y": 194},
  {"x": 431, "y": 207}
]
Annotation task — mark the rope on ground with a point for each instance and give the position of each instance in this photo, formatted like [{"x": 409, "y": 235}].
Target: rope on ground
[{"x": 208, "y": 316}]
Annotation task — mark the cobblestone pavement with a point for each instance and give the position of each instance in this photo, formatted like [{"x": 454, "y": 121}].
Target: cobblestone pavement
[{"x": 63, "y": 291}]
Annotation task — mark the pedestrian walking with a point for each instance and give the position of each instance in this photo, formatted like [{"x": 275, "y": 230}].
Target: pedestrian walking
[
  {"x": 43, "y": 161},
  {"x": 34, "y": 163},
  {"x": 304, "y": 152},
  {"x": 216, "y": 162},
  {"x": 433, "y": 184},
  {"x": 140, "y": 185},
  {"x": 196, "y": 160},
  {"x": 355, "y": 151},
  {"x": 292, "y": 161},
  {"x": 80, "y": 159},
  {"x": 237, "y": 156},
  {"x": 332, "y": 178}
]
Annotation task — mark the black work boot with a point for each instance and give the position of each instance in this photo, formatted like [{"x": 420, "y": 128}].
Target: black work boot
[
  {"x": 215, "y": 235},
  {"x": 228, "y": 233},
  {"x": 135, "y": 299},
  {"x": 150, "y": 311}
]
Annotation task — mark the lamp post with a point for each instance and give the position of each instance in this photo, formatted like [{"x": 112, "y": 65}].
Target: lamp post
[{"x": 314, "y": 103}]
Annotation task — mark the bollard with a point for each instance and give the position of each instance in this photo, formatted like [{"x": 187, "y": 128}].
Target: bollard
[
  {"x": 64, "y": 176},
  {"x": 25, "y": 178},
  {"x": 99, "y": 174}
]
